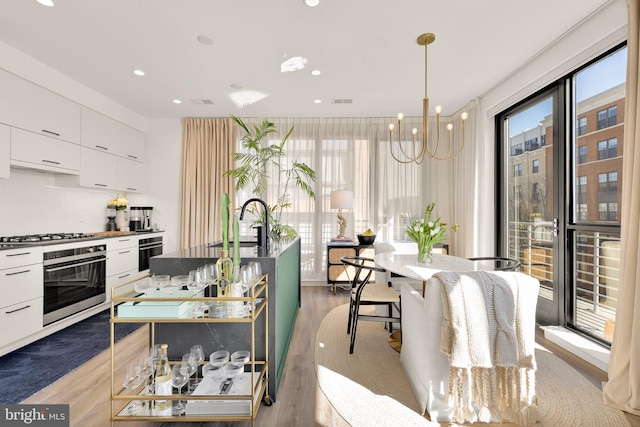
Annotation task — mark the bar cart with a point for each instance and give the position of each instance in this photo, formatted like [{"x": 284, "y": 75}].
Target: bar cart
[{"x": 208, "y": 402}]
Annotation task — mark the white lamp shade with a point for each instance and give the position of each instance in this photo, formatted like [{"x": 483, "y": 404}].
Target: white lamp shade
[{"x": 342, "y": 199}]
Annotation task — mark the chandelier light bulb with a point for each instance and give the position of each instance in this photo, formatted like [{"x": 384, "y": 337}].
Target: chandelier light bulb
[
  {"x": 464, "y": 115},
  {"x": 449, "y": 127},
  {"x": 438, "y": 109},
  {"x": 391, "y": 126},
  {"x": 414, "y": 131},
  {"x": 400, "y": 116}
]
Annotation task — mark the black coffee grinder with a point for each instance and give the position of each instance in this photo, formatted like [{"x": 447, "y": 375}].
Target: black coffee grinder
[{"x": 111, "y": 216}]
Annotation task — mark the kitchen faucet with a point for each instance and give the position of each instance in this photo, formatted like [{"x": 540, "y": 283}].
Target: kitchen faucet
[{"x": 263, "y": 230}]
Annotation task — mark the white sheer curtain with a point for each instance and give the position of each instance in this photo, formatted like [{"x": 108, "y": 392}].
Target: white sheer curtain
[{"x": 353, "y": 154}]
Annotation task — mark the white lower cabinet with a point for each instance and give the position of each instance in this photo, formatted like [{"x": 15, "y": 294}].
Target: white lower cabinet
[
  {"x": 20, "y": 320},
  {"x": 122, "y": 262},
  {"x": 22, "y": 290},
  {"x": 5, "y": 151},
  {"x": 35, "y": 151}
]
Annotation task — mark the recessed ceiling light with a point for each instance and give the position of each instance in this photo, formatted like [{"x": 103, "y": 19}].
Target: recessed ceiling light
[
  {"x": 316, "y": 72},
  {"x": 177, "y": 101},
  {"x": 312, "y": 3},
  {"x": 236, "y": 86},
  {"x": 293, "y": 64},
  {"x": 317, "y": 101},
  {"x": 138, "y": 72},
  {"x": 46, "y": 2},
  {"x": 205, "y": 40},
  {"x": 246, "y": 97}
]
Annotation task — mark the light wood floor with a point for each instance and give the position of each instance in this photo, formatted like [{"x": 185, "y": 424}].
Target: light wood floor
[{"x": 300, "y": 401}]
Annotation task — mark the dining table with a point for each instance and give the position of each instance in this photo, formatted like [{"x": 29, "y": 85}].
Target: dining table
[{"x": 407, "y": 265}]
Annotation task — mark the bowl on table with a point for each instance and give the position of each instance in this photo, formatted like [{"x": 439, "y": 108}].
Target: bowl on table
[{"x": 366, "y": 240}]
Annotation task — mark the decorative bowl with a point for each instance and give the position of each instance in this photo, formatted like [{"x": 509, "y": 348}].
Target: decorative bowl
[{"x": 366, "y": 240}]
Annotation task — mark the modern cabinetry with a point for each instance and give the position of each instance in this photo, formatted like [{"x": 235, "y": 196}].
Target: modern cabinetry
[
  {"x": 102, "y": 133},
  {"x": 205, "y": 403},
  {"x": 130, "y": 175},
  {"x": 5, "y": 151},
  {"x": 28, "y": 106},
  {"x": 122, "y": 262},
  {"x": 21, "y": 278},
  {"x": 31, "y": 150},
  {"x": 336, "y": 273},
  {"x": 98, "y": 169}
]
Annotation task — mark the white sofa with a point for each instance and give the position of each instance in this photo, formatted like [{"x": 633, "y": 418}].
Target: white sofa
[{"x": 426, "y": 367}]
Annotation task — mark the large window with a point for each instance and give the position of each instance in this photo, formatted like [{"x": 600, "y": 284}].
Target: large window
[{"x": 579, "y": 280}]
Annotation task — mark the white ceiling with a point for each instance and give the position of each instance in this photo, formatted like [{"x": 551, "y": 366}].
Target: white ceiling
[{"x": 366, "y": 50}]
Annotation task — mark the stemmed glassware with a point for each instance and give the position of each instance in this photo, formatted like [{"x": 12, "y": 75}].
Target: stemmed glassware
[
  {"x": 191, "y": 366},
  {"x": 197, "y": 354},
  {"x": 132, "y": 380},
  {"x": 195, "y": 283},
  {"x": 178, "y": 380}
]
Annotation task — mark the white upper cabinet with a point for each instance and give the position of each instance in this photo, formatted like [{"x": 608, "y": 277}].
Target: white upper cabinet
[
  {"x": 28, "y": 106},
  {"x": 31, "y": 150},
  {"x": 5, "y": 151},
  {"x": 98, "y": 169},
  {"x": 131, "y": 176},
  {"x": 111, "y": 136}
]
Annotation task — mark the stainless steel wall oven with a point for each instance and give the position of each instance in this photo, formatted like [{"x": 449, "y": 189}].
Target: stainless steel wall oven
[
  {"x": 74, "y": 280},
  {"x": 148, "y": 247}
]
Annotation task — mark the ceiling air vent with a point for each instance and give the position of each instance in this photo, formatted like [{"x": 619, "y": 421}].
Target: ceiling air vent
[
  {"x": 203, "y": 102},
  {"x": 342, "y": 101}
]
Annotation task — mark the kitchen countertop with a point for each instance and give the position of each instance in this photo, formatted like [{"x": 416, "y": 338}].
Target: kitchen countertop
[{"x": 93, "y": 236}]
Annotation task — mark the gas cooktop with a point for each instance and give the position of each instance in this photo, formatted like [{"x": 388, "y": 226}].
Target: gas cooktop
[{"x": 7, "y": 242}]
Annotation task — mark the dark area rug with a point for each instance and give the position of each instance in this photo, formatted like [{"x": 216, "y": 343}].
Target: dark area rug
[{"x": 29, "y": 369}]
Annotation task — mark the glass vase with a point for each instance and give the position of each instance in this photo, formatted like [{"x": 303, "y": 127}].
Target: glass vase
[{"x": 425, "y": 253}]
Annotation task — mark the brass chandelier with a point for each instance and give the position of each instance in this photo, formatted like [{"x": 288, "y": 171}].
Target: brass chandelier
[{"x": 419, "y": 150}]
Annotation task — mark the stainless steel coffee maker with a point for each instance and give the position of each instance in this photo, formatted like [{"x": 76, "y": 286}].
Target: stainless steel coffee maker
[{"x": 140, "y": 218}]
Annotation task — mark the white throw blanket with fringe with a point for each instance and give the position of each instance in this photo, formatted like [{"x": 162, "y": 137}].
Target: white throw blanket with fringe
[{"x": 488, "y": 333}]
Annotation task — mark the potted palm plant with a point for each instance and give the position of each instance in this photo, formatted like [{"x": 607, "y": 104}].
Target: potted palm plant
[{"x": 261, "y": 160}]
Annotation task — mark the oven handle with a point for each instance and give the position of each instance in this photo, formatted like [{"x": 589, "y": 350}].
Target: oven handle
[
  {"x": 145, "y": 248},
  {"x": 50, "y": 270}
]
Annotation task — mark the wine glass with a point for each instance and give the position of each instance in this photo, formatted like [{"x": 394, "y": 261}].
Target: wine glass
[
  {"x": 178, "y": 380},
  {"x": 190, "y": 364},
  {"x": 144, "y": 367},
  {"x": 197, "y": 353},
  {"x": 164, "y": 283},
  {"x": 195, "y": 284},
  {"x": 155, "y": 354},
  {"x": 257, "y": 271},
  {"x": 132, "y": 380}
]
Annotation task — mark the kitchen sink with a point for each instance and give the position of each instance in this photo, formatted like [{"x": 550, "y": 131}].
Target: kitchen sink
[{"x": 241, "y": 243}]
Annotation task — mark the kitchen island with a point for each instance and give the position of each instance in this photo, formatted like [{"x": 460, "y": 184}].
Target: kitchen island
[{"x": 282, "y": 265}]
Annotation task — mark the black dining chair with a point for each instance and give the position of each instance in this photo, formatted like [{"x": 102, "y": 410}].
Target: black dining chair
[
  {"x": 500, "y": 263},
  {"x": 365, "y": 292}
]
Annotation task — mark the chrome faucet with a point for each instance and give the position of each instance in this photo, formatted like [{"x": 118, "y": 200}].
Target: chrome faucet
[{"x": 263, "y": 230}]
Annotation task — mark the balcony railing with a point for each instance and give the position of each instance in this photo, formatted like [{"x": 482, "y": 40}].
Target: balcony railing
[{"x": 596, "y": 271}]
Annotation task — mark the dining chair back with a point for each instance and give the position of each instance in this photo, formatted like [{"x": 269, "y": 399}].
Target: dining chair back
[{"x": 365, "y": 292}]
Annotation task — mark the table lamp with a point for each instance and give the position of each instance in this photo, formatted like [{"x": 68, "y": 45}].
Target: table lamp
[{"x": 341, "y": 199}]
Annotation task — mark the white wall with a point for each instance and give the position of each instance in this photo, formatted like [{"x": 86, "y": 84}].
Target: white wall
[{"x": 594, "y": 36}]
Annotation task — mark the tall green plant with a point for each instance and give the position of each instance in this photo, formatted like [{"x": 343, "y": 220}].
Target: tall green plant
[{"x": 258, "y": 160}]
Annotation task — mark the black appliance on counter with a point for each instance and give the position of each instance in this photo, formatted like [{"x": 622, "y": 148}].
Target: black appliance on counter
[
  {"x": 148, "y": 248},
  {"x": 140, "y": 218},
  {"x": 74, "y": 279}
]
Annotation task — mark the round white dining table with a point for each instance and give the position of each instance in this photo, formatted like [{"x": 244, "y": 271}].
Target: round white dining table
[{"x": 407, "y": 265}]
